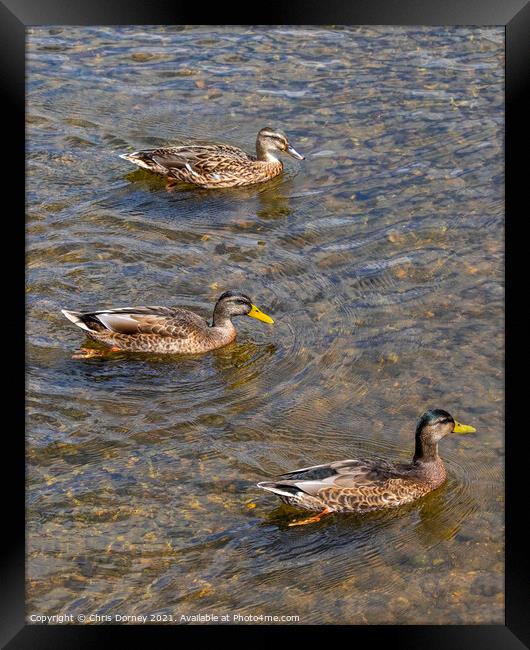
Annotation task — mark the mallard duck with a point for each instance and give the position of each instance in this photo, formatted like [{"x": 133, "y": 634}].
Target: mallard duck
[
  {"x": 218, "y": 165},
  {"x": 363, "y": 485},
  {"x": 164, "y": 329}
]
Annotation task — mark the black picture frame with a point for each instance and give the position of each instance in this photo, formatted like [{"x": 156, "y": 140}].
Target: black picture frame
[{"x": 15, "y": 16}]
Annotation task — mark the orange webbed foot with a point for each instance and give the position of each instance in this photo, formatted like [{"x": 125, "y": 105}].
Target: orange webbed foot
[
  {"x": 92, "y": 353},
  {"x": 312, "y": 520}
]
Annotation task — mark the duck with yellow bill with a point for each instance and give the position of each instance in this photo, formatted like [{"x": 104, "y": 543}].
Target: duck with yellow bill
[
  {"x": 363, "y": 485},
  {"x": 166, "y": 330}
]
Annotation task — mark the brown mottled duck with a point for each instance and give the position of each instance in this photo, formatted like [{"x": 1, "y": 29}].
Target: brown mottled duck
[
  {"x": 364, "y": 485},
  {"x": 218, "y": 165},
  {"x": 167, "y": 330}
]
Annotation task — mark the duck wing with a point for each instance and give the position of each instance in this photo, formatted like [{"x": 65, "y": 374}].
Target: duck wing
[
  {"x": 357, "y": 485},
  {"x": 352, "y": 473},
  {"x": 162, "y": 321},
  {"x": 201, "y": 159}
]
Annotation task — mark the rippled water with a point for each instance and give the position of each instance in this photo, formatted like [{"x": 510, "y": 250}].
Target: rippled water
[{"x": 380, "y": 257}]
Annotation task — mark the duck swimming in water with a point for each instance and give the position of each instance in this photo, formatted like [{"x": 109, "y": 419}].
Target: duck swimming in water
[
  {"x": 364, "y": 485},
  {"x": 218, "y": 165},
  {"x": 164, "y": 329}
]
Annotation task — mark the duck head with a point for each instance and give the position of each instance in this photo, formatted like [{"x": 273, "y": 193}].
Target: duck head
[
  {"x": 432, "y": 427},
  {"x": 234, "y": 303},
  {"x": 271, "y": 141}
]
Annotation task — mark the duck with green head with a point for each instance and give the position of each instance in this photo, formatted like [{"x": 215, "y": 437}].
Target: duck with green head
[
  {"x": 170, "y": 330},
  {"x": 363, "y": 485},
  {"x": 218, "y": 165}
]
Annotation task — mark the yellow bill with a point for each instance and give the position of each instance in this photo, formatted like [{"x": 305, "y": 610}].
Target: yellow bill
[
  {"x": 257, "y": 313},
  {"x": 463, "y": 428}
]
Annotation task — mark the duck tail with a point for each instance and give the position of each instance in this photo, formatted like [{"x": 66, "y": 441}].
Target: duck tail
[
  {"x": 77, "y": 318},
  {"x": 133, "y": 157},
  {"x": 145, "y": 160},
  {"x": 279, "y": 488}
]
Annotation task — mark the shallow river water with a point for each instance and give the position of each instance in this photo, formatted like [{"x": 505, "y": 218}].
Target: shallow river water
[{"x": 380, "y": 258}]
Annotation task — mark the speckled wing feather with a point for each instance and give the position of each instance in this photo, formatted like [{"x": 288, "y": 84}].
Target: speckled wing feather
[
  {"x": 201, "y": 159},
  {"x": 351, "y": 485},
  {"x": 344, "y": 473},
  {"x": 162, "y": 321}
]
